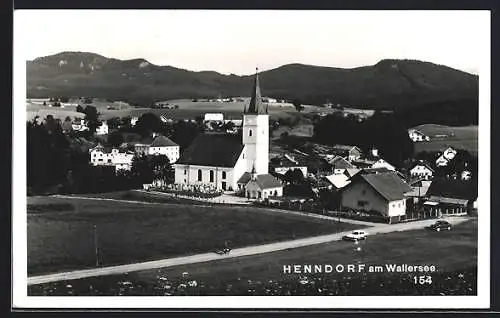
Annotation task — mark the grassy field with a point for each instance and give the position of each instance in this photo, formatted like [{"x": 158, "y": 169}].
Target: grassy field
[
  {"x": 187, "y": 110},
  {"x": 442, "y": 137},
  {"x": 60, "y": 231},
  {"x": 453, "y": 253}
]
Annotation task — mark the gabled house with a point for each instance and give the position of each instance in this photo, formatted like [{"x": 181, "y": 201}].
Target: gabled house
[
  {"x": 448, "y": 155},
  {"x": 158, "y": 145},
  {"x": 337, "y": 181},
  {"x": 421, "y": 170},
  {"x": 381, "y": 163},
  {"x": 262, "y": 186},
  {"x": 282, "y": 165},
  {"x": 383, "y": 193},
  {"x": 339, "y": 164},
  {"x": 347, "y": 152},
  {"x": 451, "y": 197},
  {"x": 102, "y": 129},
  {"x": 107, "y": 156}
]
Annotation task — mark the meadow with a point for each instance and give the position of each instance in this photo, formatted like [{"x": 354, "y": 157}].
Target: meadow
[
  {"x": 442, "y": 137},
  {"x": 61, "y": 231},
  {"x": 453, "y": 253}
]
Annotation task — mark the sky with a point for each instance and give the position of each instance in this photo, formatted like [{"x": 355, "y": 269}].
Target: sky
[{"x": 238, "y": 41}]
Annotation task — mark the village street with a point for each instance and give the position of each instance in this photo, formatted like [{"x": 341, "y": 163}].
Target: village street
[{"x": 375, "y": 228}]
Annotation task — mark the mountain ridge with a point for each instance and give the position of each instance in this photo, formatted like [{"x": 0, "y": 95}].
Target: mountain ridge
[{"x": 387, "y": 84}]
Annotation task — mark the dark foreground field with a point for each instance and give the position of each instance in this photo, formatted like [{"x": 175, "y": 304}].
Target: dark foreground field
[
  {"x": 453, "y": 253},
  {"x": 61, "y": 235}
]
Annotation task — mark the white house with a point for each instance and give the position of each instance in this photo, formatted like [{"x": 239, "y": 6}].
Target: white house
[
  {"x": 80, "y": 126},
  {"x": 417, "y": 136},
  {"x": 229, "y": 162},
  {"x": 214, "y": 117},
  {"x": 105, "y": 156},
  {"x": 133, "y": 121},
  {"x": 380, "y": 192},
  {"x": 422, "y": 170},
  {"x": 337, "y": 181},
  {"x": 103, "y": 129},
  {"x": 287, "y": 163},
  {"x": 159, "y": 145},
  {"x": 381, "y": 163},
  {"x": 448, "y": 155}
]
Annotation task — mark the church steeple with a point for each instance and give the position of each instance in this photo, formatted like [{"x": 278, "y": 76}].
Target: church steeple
[{"x": 256, "y": 106}]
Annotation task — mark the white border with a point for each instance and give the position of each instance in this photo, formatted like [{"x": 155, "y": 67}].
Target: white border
[{"x": 21, "y": 300}]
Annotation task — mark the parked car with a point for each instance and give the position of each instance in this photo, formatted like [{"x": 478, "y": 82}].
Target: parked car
[
  {"x": 355, "y": 236},
  {"x": 440, "y": 225}
]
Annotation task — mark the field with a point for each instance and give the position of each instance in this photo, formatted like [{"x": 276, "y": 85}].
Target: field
[
  {"x": 187, "y": 109},
  {"x": 61, "y": 236},
  {"x": 453, "y": 253},
  {"x": 442, "y": 137}
]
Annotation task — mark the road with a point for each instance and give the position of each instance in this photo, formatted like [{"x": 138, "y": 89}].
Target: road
[{"x": 239, "y": 252}]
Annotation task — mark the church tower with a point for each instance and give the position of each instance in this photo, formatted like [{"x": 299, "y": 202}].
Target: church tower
[{"x": 256, "y": 132}]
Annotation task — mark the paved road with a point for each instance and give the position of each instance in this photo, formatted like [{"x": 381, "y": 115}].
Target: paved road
[{"x": 244, "y": 251}]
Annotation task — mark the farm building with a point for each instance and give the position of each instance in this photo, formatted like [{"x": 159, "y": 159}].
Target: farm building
[
  {"x": 421, "y": 170},
  {"x": 417, "y": 136},
  {"x": 103, "y": 129},
  {"x": 339, "y": 164},
  {"x": 450, "y": 197},
  {"x": 383, "y": 193},
  {"x": 222, "y": 160}
]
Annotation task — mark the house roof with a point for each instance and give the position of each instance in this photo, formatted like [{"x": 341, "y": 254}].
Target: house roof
[
  {"x": 266, "y": 181},
  {"x": 387, "y": 184},
  {"x": 245, "y": 178},
  {"x": 162, "y": 141},
  {"x": 448, "y": 200},
  {"x": 215, "y": 150},
  {"x": 338, "y": 180},
  {"x": 340, "y": 163},
  {"x": 422, "y": 163},
  {"x": 352, "y": 172},
  {"x": 458, "y": 189}
]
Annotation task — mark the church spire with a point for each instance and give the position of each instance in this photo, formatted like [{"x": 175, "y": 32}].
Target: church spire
[{"x": 255, "y": 106}]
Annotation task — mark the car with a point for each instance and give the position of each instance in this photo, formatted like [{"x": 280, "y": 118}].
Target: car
[
  {"x": 355, "y": 236},
  {"x": 440, "y": 225}
]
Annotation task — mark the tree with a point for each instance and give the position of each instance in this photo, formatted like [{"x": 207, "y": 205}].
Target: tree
[
  {"x": 80, "y": 109},
  {"x": 147, "y": 124},
  {"x": 115, "y": 139},
  {"x": 113, "y": 123},
  {"x": 298, "y": 105},
  {"x": 162, "y": 169},
  {"x": 294, "y": 176},
  {"x": 184, "y": 132},
  {"x": 92, "y": 118}
]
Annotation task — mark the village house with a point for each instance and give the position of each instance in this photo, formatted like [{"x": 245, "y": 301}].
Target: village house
[
  {"x": 337, "y": 181},
  {"x": 447, "y": 155},
  {"x": 158, "y": 145},
  {"x": 281, "y": 165},
  {"x": 107, "y": 156},
  {"x": 133, "y": 121},
  {"x": 382, "y": 193},
  {"x": 450, "y": 197},
  {"x": 339, "y": 164},
  {"x": 214, "y": 117},
  {"x": 417, "y": 136},
  {"x": 229, "y": 162},
  {"x": 421, "y": 170},
  {"x": 79, "y": 125},
  {"x": 102, "y": 129},
  {"x": 347, "y": 152},
  {"x": 381, "y": 163}
]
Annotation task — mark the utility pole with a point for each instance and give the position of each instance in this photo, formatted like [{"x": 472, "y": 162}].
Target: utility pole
[{"x": 96, "y": 246}]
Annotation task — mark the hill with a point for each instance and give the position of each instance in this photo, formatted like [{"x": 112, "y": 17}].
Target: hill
[{"x": 387, "y": 84}]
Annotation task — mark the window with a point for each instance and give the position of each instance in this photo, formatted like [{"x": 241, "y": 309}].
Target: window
[
  {"x": 250, "y": 133},
  {"x": 363, "y": 192},
  {"x": 185, "y": 171},
  {"x": 199, "y": 174},
  {"x": 223, "y": 174},
  {"x": 211, "y": 176},
  {"x": 109, "y": 160},
  {"x": 100, "y": 160}
]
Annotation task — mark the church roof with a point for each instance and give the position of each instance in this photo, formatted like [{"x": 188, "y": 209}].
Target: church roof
[
  {"x": 256, "y": 106},
  {"x": 214, "y": 150}
]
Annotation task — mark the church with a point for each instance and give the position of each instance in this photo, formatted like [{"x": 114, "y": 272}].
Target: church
[{"x": 230, "y": 162}]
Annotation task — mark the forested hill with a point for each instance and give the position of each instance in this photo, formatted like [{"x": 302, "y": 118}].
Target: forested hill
[{"x": 387, "y": 84}]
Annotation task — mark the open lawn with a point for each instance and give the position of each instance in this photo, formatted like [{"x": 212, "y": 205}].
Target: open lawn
[
  {"x": 442, "y": 137},
  {"x": 61, "y": 236},
  {"x": 453, "y": 253}
]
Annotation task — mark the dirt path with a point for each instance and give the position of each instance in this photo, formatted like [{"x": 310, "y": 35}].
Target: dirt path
[{"x": 206, "y": 257}]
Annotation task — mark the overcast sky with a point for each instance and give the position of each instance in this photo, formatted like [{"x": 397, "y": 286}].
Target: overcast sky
[{"x": 238, "y": 41}]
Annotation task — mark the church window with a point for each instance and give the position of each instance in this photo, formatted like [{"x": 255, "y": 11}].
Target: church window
[
  {"x": 199, "y": 175},
  {"x": 211, "y": 176},
  {"x": 250, "y": 133},
  {"x": 185, "y": 171},
  {"x": 223, "y": 174}
]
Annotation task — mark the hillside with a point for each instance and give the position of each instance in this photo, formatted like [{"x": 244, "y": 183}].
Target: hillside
[{"x": 387, "y": 84}]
